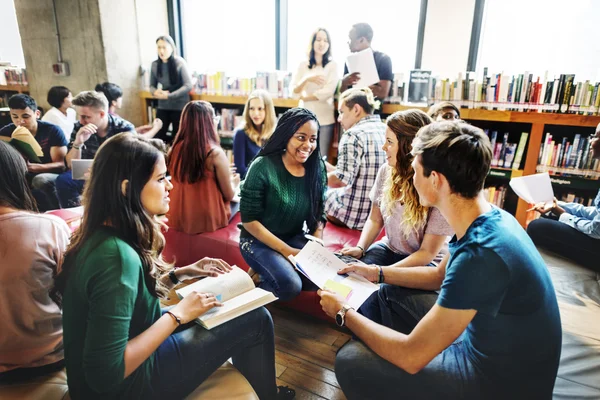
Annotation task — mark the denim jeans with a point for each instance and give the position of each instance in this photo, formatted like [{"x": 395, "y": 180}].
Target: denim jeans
[
  {"x": 68, "y": 190},
  {"x": 276, "y": 272},
  {"x": 191, "y": 354},
  {"x": 362, "y": 374},
  {"x": 379, "y": 254},
  {"x": 566, "y": 241}
]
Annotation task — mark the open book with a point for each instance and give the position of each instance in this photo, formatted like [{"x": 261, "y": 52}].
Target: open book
[
  {"x": 235, "y": 290},
  {"x": 321, "y": 266},
  {"x": 22, "y": 140}
]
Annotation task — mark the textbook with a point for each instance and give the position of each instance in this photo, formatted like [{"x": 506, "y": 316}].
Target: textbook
[
  {"x": 22, "y": 140},
  {"x": 235, "y": 290},
  {"x": 321, "y": 266}
]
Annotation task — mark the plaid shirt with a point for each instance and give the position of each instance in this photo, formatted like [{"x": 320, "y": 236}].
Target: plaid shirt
[{"x": 359, "y": 158}]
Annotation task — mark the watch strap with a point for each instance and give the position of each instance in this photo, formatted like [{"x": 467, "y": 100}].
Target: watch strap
[{"x": 173, "y": 277}]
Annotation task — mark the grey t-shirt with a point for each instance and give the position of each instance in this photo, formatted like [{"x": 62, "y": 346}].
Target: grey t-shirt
[
  {"x": 179, "y": 94},
  {"x": 394, "y": 238}
]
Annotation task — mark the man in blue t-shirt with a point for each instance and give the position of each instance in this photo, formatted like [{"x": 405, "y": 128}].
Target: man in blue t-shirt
[
  {"x": 24, "y": 113},
  {"x": 494, "y": 330}
]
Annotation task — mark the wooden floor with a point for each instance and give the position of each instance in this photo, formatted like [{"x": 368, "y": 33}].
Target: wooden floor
[{"x": 305, "y": 354}]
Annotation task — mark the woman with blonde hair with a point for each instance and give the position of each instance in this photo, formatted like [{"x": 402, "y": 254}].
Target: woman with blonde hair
[
  {"x": 415, "y": 235},
  {"x": 259, "y": 124}
]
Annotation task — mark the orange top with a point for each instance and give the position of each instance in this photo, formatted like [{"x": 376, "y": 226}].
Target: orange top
[{"x": 198, "y": 207}]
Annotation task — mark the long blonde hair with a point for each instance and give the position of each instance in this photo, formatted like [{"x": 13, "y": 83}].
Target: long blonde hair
[
  {"x": 268, "y": 125},
  {"x": 399, "y": 184}
]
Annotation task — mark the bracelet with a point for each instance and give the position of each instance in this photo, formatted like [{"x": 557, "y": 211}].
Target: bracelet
[
  {"x": 361, "y": 249},
  {"x": 175, "y": 317},
  {"x": 381, "y": 277},
  {"x": 78, "y": 147},
  {"x": 173, "y": 277}
]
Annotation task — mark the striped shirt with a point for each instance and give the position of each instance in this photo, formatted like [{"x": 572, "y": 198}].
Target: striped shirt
[{"x": 359, "y": 157}]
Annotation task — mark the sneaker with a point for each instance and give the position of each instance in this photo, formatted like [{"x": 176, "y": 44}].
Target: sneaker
[
  {"x": 255, "y": 277},
  {"x": 285, "y": 393}
]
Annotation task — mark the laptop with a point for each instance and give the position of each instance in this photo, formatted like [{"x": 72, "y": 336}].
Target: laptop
[{"x": 79, "y": 168}]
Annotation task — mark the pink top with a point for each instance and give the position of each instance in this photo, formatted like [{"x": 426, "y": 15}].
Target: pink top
[{"x": 31, "y": 251}]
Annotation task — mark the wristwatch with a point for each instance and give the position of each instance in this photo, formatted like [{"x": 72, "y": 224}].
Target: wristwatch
[{"x": 340, "y": 317}]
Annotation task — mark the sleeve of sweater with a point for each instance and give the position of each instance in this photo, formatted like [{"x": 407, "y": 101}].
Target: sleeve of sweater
[
  {"x": 239, "y": 152},
  {"x": 328, "y": 90},
  {"x": 254, "y": 189},
  {"x": 186, "y": 80}
]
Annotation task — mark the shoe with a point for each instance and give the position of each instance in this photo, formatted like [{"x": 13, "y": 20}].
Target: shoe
[
  {"x": 255, "y": 277},
  {"x": 285, "y": 393}
]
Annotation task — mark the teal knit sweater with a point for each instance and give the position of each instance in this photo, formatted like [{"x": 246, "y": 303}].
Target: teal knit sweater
[{"x": 274, "y": 197}]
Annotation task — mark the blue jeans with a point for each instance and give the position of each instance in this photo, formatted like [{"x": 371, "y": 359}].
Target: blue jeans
[
  {"x": 379, "y": 254},
  {"x": 191, "y": 354},
  {"x": 362, "y": 374},
  {"x": 276, "y": 272},
  {"x": 68, "y": 190}
]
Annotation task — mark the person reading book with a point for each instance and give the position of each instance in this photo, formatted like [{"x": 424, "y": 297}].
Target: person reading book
[
  {"x": 31, "y": 249},
  {"x": 203, "y": 185},
  {"x": 24, "y": 113},
  {"x": 118, "y": 341},
  {"x": 315, "y": 83},
  {"x": 62, "y": 113},
  {"x": 360, "y": 155},
  {"x": 444, "y": 111},
  {"x": 259, "y": 123},
  {"x": 571, "y": 229},
  {"x": 94, "y": 127},
  {"x": 492, "y": 332},
  {"x": 415, "y": 235},
  {"x": 283, "y": 190}
]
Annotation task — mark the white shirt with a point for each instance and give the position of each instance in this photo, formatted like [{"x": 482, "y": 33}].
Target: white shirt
[
  {"x": 65, "y": 122},
  {"x": 323, "y": 107}
]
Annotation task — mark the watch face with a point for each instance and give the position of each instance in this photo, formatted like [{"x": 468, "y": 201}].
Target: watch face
[{"x": 339, "y": 320}]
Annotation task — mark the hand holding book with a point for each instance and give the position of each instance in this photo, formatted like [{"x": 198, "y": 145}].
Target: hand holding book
[{"x": 194, "y": 305}]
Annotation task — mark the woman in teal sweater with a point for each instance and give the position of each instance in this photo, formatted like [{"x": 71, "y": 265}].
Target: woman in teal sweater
[
  {"x": 282, "y": 192},
  {"x": 118, "y": 342}
]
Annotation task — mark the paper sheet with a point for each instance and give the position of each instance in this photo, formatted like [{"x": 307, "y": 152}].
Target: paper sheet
[
  {"x": 364, "y": 63},
  {"x": 533, "y": 188}
]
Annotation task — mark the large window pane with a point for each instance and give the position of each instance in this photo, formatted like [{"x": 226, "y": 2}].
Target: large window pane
[
  {"x": 394, "y": 23},
  {"x": 235, "y": 36},
  {"x": 541, "y": 35},
  {"x": 11, "y": 49}
]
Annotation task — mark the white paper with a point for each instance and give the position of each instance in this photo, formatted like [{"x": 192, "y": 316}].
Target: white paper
[
  {"x": 320, "y": 265},
  {"x": 533, "y": 188},
  {"x": 364, "y": 63}
]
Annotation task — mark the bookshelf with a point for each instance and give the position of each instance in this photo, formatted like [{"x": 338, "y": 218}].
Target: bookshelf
[
  {"x": 537, "y": 122},
  {"x": 14, "y": 88}
]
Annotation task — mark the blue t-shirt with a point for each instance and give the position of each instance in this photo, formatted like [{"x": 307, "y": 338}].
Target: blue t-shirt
[
  {"x": 48, "y": 135},
  {"x": 514, "y": 341},
  {"x": 244, "y": 150}
]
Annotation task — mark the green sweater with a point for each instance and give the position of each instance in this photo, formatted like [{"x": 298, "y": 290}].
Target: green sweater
[
  {"x": 274, "y": 197},
  {"x": 106, "y": 303}
]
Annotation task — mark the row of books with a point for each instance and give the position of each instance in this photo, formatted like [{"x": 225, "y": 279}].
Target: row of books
[
  {"x": 568, "y": 157},
  {"x": 576, "y": 198},
  {"x": 277, "y": 83},
  {"x": 495, "y": 195},
  {"x": 505, "y": 154},
  {"x": 10, "y": 75},
  {"x": 230, "y": 120}
]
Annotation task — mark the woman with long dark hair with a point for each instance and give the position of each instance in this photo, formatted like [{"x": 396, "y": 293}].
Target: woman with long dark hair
[
  {"x": 200, "y": 174},
  {"x": 118, "y": 343},
  {"x": 283, "y": 190},
  {"x": 170, "y": 83},
  {"x": 31, "y": 250},
  {"x": 315, "y": 83}
]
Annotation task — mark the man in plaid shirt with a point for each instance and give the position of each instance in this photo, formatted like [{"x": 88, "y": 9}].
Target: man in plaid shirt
[{"x": 360, "y": 155}]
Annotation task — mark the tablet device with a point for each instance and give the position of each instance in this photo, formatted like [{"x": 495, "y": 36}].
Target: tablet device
[{"x": 79, "y": 168}]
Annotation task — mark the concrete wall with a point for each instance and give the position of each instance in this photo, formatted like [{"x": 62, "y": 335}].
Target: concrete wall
[{"x": 101, "y": 41}]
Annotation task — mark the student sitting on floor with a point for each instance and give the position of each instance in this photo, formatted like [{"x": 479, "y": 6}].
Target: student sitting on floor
[
  {"x": 360, "y": 155},
  {"x": 444, "y": 111},
  {"x": 415, "y": 235},
  {"x": 94, "y": 127},
  {"x": 259, "y": 123},
  {"x": 571, "y": 229},
  {"x": 61, "y": 114},
  {"x": 203, "y": 185},
  {"x": 24, "y": 113},
  {"x": 31, "y": 250},
  {"x": 283, "y": 190},
  {"x": 494, "y": 330},
  {"x": 118, "y": 342}
]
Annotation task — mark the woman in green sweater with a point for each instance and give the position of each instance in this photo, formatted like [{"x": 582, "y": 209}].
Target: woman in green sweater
[
  {"x": 118, "y": 342},
  {"x": 282, "y": 192}
]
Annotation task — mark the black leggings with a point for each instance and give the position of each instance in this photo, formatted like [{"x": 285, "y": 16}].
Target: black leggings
[
  {"x": 566, "y": 241},
  {"x": 168, "y": 117}
]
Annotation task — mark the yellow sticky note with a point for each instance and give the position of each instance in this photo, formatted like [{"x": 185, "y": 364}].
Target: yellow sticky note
[{"x": 339, "y": 288}]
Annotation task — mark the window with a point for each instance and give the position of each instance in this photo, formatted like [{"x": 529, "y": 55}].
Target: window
[
  {"x": 11, "y": 49},
  {"x": 395, "y": 28},
  {"x": 541, "y": 35},
  {"x": 235, "y": 36}
]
